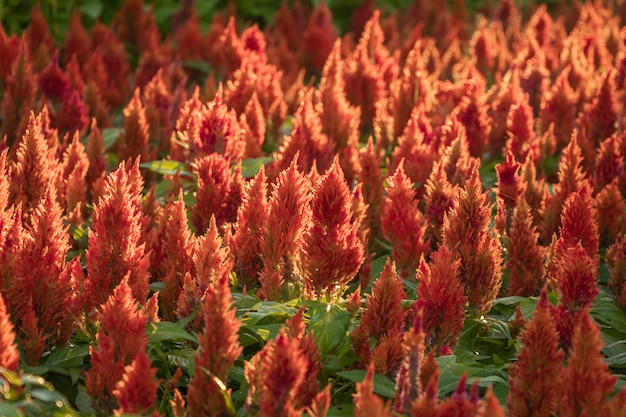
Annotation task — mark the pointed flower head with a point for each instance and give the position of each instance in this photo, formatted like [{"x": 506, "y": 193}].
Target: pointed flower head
[
  {"x": 136, "y": 392},
  {"x": 9, "y": 355}
]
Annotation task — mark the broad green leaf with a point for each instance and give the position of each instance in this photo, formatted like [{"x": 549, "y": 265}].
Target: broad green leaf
[
  {"x": 341, "y": 410},
  {"x": 10, "y": 410},
  {"x": 92, "y": 8},
  {"x": 110, "y": 135},
  {"x": 202, "y": 67},
  {"x": 269, "y": 312},
  {"x": 165, "y": 330},
  {"x": 329, "y": 324},
  {"x": 448, "y": 379},
  {"x": 251, "y": 166},
  {"x": 269, "y": 331},
  {"x": 604, "y": 311},
  {"x": 67, "y": 357},
  {"x": 617, "y": 361},
  {"x": 382, "y": 385},
  {"x": 166, "y": 167}
]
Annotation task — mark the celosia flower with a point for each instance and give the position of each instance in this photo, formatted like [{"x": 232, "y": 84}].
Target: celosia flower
[
  {"x": 321, "y": 403},
  {"x": 136, "y": 392},
  {"x": 307, "y": 391},
  {"x": 585, "y": 384},
  {"x": 536, "y": 190},
  {"x": 121, "y": 336},
  {"x": 439, "y": 199},
  {"x": 371, "y": 178},
  {"x": 558, "y": 106},
  {"x": 574, "y": 273},
  {"x": 467, "y": 234},
  {"x": 72, "y": 185},
  {"x": 456, "y": 159},
  {"x": 461, "y": 402},
  {"x": 178, "y": 245},
  {"x": 133, "y": 141},
  {"x": 9, "y": 49},
  {"x": 602, "y": 112},
  {"x": 571, "y": 179},
  {"x": 289, "y": 214},
  {"x": 384, "y": 316},
  {"x": 52, "y": 82},
  {"x": 9, "y": 355},
  {"x": 402, "y": 223},
  {"x": 255, "y": 125},
  {"x": 219, "y": 192},
  {"x": 115, "y": 240},
  {"x": 159, "y": 107},
  {"x": 440, "y": 297},
  {"x": 366, "y": 403},
  {"x": 509, "y": 190},
  {"x": 472, "y": 113},
  {"x": 306, "y": 140},
  {"x": 609, "y": 162},
  {"x": 77, "y": 43},
  {"x": 35, "y": 169},
  {"x": 218, "y": 350},
  {"x": 318, "y": 38},
  {"x": 526, "y": 258},
  {"x": 616, "y": 263},
  {"x": 533, "y": 378},
  {"x": 113, "y": 65},
  {"x": 333, "y": 252},
  {"x": 408, "y": 383}
]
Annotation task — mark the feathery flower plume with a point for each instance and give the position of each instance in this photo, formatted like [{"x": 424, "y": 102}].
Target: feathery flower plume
[
  {"x": 472, "y": 113},
  {"x": 383, "y": 319},
  {"x": 439, "y": 199},
  {"x": 275, "y": 375},
  {"x": 366, "y": 403},
  {"x": 246, "y": 242},
  {"x": 178, "y": 244},
  {"x": 571, "y": 179},
  {"x": 461, "y": 402},
  {"x": 133, "y": 141},
  {"x": 616, "y": 263},
  {"x": 459, "y": 164},
  {"x": 509, "y": 190},
  {"x": 308, "y": 344},
  {"x": 306, "y": 140},
  {"x": 217, "y": 352},
  {"x": 212, "y": 263},
  {"x": 52, "y": 82},
  {"x": 42, "y": 283},
  {"x": 526, "y": 256},
  {"x": 219, "y": 192},
  {"x": 71, "y": 183},
  {"x": 440, "y": 298},
  {"x": 609, "y": 162},
  {"x": 253, "y": 121},
  {"x": 416, "y": 152},
  {"x": 602, "y": 112},
  {"x": 333, "y": 252},
  {"x": 115, "y": 66},
  {"x": 121, "y": 336},
  {"x": 585, "y": 383},
  {"x": 536, "y": 190},
  {"x": 136, "y": 392},
  {"x": 9, "y": 49},
  {"x": 115, "y": 241},
  {"x": 533, "y": 378},
  {"x": 558, "y": 106},
  {"x": 467, "y": 234},
  {"x": 76, "y": 44},
  {"x": 318, "y": 38},
  {"x": 9, "y": 355},
  {"x": 610, "y": 209},
  {"x": 289, "y": 214},
  {"x": 371, "y": 178},
  {"x": 36, "y": 167},
  {"x": 402, "y": 223},
  {"x": 321, "y": 403}
]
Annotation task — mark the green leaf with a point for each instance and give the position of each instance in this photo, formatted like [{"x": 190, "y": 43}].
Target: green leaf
[
  {"x": 165, "y": 330},
  {"x": 342, "y": 410},
  {"x": 10, "y": 410},
  {"x": 166, "y": 167},
  {"x": 269, "y": 312},
  {"x": 92, "y": 8},
  {"x": 329, "y": 324},
  {"x": 382, "y": 385},
  {"x": 251, "y": 166},
  {"x": 67, "y": 357},
  {"x": 202, "y": 67},
  {"x": 606, "y": 312},
  {"x": 110, "y": 135},
  {"x": 617, "y": 361}
]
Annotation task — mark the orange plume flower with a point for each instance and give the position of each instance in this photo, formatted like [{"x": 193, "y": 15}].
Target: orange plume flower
[
  {"x": 616, "y": 263},
  {"x": 136, "y": 392},
  {"x": 133, "y": 141},
  {"x": 440, "y": 297},
  {"x": 402, "y": 223},
  {"x": 371, "y": 178},
  {"x": 116, "y": 247},
  {"x": 366, "y": 403},
  {"x": 439, "y": 199},
  {"x": 533, "y": 378},
  {"x": 9, "y": 355},
  {"x": 218, "y": 350},
  {"x": 509, "y": 190},
  {"x": 121, "y": 336},
  {"x": 333, "y": 252},
  {"x": 467, "y": 234},
  {"x": 318, "y": 38}
]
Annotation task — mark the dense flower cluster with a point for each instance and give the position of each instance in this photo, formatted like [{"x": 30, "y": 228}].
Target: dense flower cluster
[{"x": 473, "y": 158}]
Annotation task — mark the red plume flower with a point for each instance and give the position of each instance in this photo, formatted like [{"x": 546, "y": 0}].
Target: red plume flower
[
  {"x": 218, "y": 350},
  {"x": 253, "y": 120},
  {"x": 467, "y": 234},
  {"x": 333, "y": 252},
  {"x": 526, "y": 257},
  {"x": 586, "y": 382},
  {"x": 439, "y": 199},
  {"x": 440, "y": 297},
  {"x": 609, "y": 162},
  {"x": 115, "y": 240},
  {"x": 134, "y": 138},
  {"x": 533, "y": 378},
  {"x": 72, "y": 184},
  {"x": 219, "y": 192},
  {"x": 616, "y": 263},
  {"x": 370, "y": 176},
  {"x": 289, "y": 214},
  {"x": 366, "y": 403},
  {"x": 251, "y": 219},
  {"x": 509, "y": 190},
  {"x": 610, "y": 211},
  {"x": 77, "y": 43},
  {"x": 136, "y": 392},
  {"x": 121, "y": 336},
  {"x": 558, "y": 106},
  {"x": 318, "y": 38},
  {"x": 571, "y": 178},
  {"x": 402, "y": 223},
  {"x": 383, "y": 319},
  {"x": 9, "y": 355}
]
